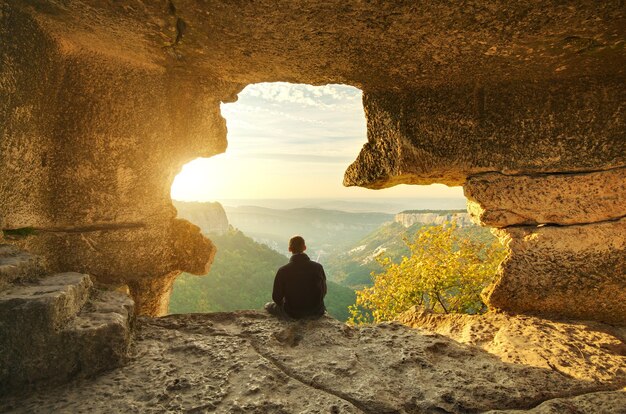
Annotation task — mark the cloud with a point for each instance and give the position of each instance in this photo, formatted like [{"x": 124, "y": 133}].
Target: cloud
[
  {"x": 300, "y": 158},
  {"x": 295, "y": 119},
  {"x": 324, "y": 97}
]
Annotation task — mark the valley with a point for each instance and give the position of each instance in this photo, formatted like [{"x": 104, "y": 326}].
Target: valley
[{"x": 252, "y": 245}]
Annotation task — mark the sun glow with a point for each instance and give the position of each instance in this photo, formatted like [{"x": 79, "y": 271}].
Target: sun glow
[{"x": 288, "y": 141}]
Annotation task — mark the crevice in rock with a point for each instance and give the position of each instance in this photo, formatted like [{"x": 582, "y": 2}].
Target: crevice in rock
[
  {"x": 91, "y": 227},
  {"x": 377, "y": 408},
  {"x": 546, "y": 173},
  {"x": 575, "y": 395},
  {"x": 180, "y": 26},
  {"x": 180, "y": 30},
  {"x": 540, "y": 225}
]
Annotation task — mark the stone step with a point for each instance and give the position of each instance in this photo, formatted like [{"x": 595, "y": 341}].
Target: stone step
[
  {"x": 43, "y": 306},
  {"x": 16, "y": 264},
  {"x": 99, "y": 338},
  {"x": 83, "y": 334}
]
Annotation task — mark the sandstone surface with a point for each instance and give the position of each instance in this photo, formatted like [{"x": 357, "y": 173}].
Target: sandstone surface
[
  {"x": 498, "y": 200},
  {"x": 101, "y": 103},
  {"x": 59, "y": 328},
  {"x": 248, "y": 361},
  {"x": 576, "y": 272},
  {"x": 588, "y": 351}
]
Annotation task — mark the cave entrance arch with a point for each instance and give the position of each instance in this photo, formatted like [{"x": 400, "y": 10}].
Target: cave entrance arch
[{"x": 285, "y": 142}]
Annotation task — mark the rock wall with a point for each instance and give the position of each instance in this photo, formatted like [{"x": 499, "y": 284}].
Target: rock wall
[
  {"x": 92, "y": 138},
  {"x": 566, "y": 235},
  {"x": 101, "y": 103}
]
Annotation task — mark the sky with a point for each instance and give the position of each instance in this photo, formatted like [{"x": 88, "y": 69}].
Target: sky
[{"x": 289, "y": 141}]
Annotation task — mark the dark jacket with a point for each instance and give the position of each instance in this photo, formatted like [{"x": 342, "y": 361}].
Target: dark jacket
[{"x": 300, "y": 287}]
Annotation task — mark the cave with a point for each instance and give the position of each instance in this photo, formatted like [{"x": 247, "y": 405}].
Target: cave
[{"x": 102, "y": 103}]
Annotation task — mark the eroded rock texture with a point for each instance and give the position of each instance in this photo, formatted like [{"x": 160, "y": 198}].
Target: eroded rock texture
[
  {"x": 566, "y": 236},
  {"x": 57, "y": 327},
  {"x": 250, "y": 362},
  {"x": 102, "y": 102},
  {"x": 499, "y": 200},
  {"x": 588, "y": 351},
  {"x": 574, "y": 272},
  {"x": 446, "y": 133}
]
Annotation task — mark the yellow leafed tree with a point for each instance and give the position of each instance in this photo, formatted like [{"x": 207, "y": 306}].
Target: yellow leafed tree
[{"x": 445, "y": 273}]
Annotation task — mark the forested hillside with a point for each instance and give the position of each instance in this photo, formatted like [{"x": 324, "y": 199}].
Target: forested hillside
[
  {"x": 353, "y": 266},
  {"x": 241, "y": 278},
  {"x": 324, "y": 230}
]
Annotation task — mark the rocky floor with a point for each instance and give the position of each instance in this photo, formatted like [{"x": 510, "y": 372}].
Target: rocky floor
[{"x": 248, "y": 362}]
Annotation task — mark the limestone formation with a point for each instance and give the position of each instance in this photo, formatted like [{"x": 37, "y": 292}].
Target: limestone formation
[
  {"x": 576, "y": 272},
  {"x": 250, "y": 362},
  {"x": 59, "y": 328},
  {"x": 158, "y": 253},
  {"x": 409, "y": 218},
  {"x": 587, "y": 351},
  {"x": 210, "y": 217},
  {"x": 443, "y": 134},
  {"x": 499, "y": 200},
  {"x": 566, "y": 236},
  {"x": 102, "y": 103}
]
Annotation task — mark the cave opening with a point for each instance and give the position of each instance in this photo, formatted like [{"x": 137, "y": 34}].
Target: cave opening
[{"x": 288, "y": 146}]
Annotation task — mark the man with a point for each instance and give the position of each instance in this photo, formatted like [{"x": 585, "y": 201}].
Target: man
[{"x": 299, "y": 286}]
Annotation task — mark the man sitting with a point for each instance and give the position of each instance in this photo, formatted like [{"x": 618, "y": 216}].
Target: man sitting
[{"x": 299, "y": 286}]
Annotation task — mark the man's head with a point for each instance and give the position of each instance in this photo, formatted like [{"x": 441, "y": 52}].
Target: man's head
[{"x": 296, "y": 245}]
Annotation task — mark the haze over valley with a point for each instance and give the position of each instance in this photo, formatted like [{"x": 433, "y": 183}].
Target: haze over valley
[{"x": 252, "y": 245}]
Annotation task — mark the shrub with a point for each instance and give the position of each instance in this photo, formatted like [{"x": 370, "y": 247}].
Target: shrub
[{"x": 444, "y": 273}]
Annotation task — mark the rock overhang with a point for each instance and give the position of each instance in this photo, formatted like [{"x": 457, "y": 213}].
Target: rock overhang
[
  {"x": 450, "y": 91},
  {"x": 378, "y": 44}
]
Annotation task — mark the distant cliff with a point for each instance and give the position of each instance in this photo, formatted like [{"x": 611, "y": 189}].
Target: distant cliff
[
  {"x": 409, "y": 217},
  {"x": 210, "y": 217}
]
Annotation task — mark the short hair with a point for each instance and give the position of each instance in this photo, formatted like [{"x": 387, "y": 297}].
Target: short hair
[{"x": 296, "y": 244}]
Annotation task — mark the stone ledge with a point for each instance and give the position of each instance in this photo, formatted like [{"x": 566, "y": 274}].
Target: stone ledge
[
  {"x": 499, "y": 200},
  {"x": 248, "y": 361},
  {"x": 46, "y": 305},
  {"x": 59, "y": 329}
]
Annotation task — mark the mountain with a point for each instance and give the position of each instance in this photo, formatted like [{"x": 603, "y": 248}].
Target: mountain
[
  {"x": 389, "y": 205},
  {"x": 210, "y": 217},
  {"x": 353, "y": 265},
  {"x": 242, "y": 277},
  {"x": 324, "y": 230}
]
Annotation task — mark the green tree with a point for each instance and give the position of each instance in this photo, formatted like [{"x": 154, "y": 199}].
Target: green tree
[{"x": 445, "y": 273}]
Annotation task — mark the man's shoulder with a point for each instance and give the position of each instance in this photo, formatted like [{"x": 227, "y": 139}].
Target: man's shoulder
[
  {"x": 283, "y": 268},
  {"x": 317, "y": 265}
]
